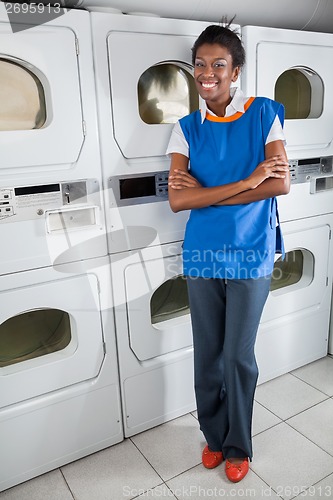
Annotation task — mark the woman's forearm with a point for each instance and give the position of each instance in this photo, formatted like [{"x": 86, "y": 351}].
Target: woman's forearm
[
  {"x": 272, "y": 186},
  {"x": 268, "y": 189},
  {"x": 200, "y": 197}
]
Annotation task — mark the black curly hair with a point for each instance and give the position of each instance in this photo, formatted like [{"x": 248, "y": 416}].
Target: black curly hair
[{"x": 224, "y": 36}]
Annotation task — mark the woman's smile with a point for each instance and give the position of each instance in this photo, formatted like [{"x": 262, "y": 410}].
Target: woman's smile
[{"x": 208, "y": 85}]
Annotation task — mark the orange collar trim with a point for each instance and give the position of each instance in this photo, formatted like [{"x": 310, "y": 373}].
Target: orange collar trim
[{"x": 232, "y": 117}]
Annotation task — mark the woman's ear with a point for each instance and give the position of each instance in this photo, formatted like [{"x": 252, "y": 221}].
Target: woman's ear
[{"x": 236, "y": 73}]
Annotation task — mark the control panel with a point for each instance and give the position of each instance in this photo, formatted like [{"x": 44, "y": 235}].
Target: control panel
[
  {"x": 140, "y": 188},
  {"x": 307, "y": 169},
  {"x": 32, "y": 202}
]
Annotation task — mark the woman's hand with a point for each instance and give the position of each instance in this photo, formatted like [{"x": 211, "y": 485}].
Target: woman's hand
[
  {"x": 275, "y": 166},
  {"x": 181, "y": 179}
]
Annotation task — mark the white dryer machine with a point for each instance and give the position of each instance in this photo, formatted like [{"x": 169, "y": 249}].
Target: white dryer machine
[
  {"x": 59, "y": 388},
  {"x": 144, "y": 85},
  {"x": 50, "y": 170},
  {"x": 294, "y": 328},
  {"x": 59, "y": 385},
  {"x": 48, "y": 113},
  {"x": 293, "y": 67}
]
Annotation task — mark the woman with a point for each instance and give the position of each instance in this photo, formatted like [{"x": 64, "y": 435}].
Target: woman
[{"x": 228, "y": 163}]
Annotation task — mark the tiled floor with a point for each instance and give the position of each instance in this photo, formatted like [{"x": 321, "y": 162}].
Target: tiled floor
[{"x": 293, "y": 453}]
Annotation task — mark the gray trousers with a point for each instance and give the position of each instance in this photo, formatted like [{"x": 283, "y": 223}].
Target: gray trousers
[{"x": 225, "y": 317}]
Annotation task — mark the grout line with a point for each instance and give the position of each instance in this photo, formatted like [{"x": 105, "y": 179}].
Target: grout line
[
  {"x": 311, "y": 441},
  {"x": 183, "y": 472},
  {"x": 308, "y": 408},
  {"x": 275, "y": 415},
  {"x": 268, "y": 428},
  {"x": 308, "y": 383},
  {"x": 159, "y": 475},
  {"x": 172, "y": 477},
  {"x": 171, "y": 495},
  {"x": 268, "y": 485},
  {"x": 298, "y": 413},
  {"x": 66, "y": 483}
]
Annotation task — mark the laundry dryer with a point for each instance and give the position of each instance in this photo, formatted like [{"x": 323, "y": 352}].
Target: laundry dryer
[
  {"x": 50, "y": 171},
  {"x": 47, "y": 105},
  {"x": 59, "y": 389},
  {"x": 59, "y": 384},
  {"x": 295, "y": 325},
  {"x": 154, "y": 337},
  {"x": 293, "y": 67},
  {"x": 144, "y": 85}
]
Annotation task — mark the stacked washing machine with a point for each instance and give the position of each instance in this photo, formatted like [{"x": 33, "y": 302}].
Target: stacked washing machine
[
  {"x": 292, "y": 67},
  {"x": 144, "y": 84},
  {"x": 59, "y": 386}
]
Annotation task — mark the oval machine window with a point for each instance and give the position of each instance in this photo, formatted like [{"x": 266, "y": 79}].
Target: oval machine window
[
  {"x": 32, "y": 334},
  {"x": 22, "y": 98},
  {"x": 166, "y": 93},
  {"x": 301, "y": 91}
]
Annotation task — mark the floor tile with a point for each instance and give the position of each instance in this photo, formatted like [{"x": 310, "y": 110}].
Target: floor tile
[
  {"x": 50, "y": 486},
  {"x": 287, "y": 461},
  {"x": 318, "y": 374},
  {"x": 321, "y": 490},
  {"x": 316, "y": 423},
  {"x": 262, "y": 419},
  {"x": 286, "y": 396},
  {"x": 173, "y": 447},
  {"x": 114, "y": 473},
  {"x": 199, "y": 483}
]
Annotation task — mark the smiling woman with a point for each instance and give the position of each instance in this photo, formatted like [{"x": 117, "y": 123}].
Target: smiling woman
[{"x": 228, "y": 164}]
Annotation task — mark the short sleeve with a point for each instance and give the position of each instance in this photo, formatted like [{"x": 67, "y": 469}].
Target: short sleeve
[
  {"x": 177, "y": 142},
  {"x": 276, "y": 132},
  {"x": 272, "y": 116}
]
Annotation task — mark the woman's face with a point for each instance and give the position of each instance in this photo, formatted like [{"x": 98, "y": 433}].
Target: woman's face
[{"x": 214, "y": 73}]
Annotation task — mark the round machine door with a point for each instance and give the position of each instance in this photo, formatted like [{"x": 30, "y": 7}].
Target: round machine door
[
  {"x": 50, "y": 337},
  {"x": 291, "y": 67},
  {"x": 299, "y": 281},
  {"x": 157, "y": 306},
  {"x": 295, "y": 323},
  {"x": 159, "y": 91},
  {"x": 41, "y": 101}
]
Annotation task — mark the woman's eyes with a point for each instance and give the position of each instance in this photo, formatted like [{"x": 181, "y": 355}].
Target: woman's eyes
[{"x": 215, "y": 65}]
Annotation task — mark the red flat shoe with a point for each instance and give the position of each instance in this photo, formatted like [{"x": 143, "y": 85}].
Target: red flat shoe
[
  {"x": 211, "y": 459},
  {"x": 236, "y": 472}
]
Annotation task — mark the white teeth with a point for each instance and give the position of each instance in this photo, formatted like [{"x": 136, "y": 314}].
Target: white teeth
[{"x": 208, "y": 85}]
